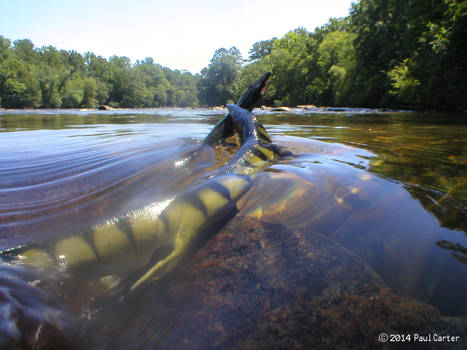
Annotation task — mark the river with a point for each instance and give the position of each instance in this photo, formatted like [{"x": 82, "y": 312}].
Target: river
[{"x": 388, "y": 186}]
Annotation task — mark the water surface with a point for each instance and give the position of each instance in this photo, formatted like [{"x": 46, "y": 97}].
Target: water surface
[{"x": 391, "y": 187}]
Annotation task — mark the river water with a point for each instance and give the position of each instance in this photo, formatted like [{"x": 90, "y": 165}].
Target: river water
[{"x": 390, "y": 187}]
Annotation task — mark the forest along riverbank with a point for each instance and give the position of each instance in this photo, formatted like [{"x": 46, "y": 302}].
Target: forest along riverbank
[{"x": 372, "y": 57}]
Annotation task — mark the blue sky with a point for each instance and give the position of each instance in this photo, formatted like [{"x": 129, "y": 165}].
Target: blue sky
[{"x": 180, "y": 34}]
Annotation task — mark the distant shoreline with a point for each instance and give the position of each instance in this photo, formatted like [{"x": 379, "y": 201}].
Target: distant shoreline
[{"x": 264, "y": 108}]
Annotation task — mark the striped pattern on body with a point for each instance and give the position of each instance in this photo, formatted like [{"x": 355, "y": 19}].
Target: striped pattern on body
[
  {"x": 173, "y": 231},
  {"x": 255, "y": 153},
  {"x": 161, "y": 240}
]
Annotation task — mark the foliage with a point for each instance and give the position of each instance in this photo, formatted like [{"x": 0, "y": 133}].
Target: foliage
[
  {"x": 18, "y": 84},
  {"x": 51, "y": 78},
  {"x": 389, "y": 53},
  {"x": 311, "y": 67},
  {"x": 261, "y": 49},
  {"x": 385, "y": 54},
  {"x": 218, "y": 81},
  {"x": 411, "y": 52},
  {"x": 336, "y": 63},
  {"x": 404, "y": 85},
  {"x": 249, "y": 74}
]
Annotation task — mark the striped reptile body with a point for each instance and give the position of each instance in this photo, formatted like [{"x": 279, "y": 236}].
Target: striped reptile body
[
  {"x": 156, "y": 242},
  {"x": 132, "y": 239}
]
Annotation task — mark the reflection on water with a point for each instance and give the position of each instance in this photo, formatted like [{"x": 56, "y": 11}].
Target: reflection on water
[
  {"x": 390, "y": 188},
  {"x": 427, "y": 153}
]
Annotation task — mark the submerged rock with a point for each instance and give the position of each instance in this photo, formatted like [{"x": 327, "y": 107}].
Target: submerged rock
[
  {"x": 255, "y": 285},
  {"x": 218, "y": 108},
  {"x": 281, "y": 109},
  {"x": 262, "y": 286},
  {"x": 307, "y": 107},
  {"x": 31, "y": 318},
  {"x": 275, "y": 109},
  {"x": 106, "y": 108}
]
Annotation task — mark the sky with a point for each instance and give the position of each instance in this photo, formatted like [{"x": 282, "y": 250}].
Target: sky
[{"x": 179, "y": 34}]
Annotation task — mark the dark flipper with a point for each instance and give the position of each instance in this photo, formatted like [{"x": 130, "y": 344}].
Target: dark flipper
[
  {"x": 254, "y": 93},
  {"x": 223, "y": 129},
  {"x": 248, "y": 101},
  {"x": 257, "y": 150}
]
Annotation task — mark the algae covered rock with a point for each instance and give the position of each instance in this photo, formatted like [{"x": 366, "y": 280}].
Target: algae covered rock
[{"x": 258, "y": 285}]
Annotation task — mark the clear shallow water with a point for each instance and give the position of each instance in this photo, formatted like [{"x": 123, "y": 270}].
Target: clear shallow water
[{"x": 389, "y": 187}]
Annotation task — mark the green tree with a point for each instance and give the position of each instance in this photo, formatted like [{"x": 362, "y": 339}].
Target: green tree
[
  {"x": 19, "y": 86},
  {"x": 250, "y": 73},
  {"x": 151, "y": 79},
  {"x": 90, "y": 94},
  {"x": 218, "y": 81},
  {"x": 72, "y": 92},
  {"x": 4, "y": 48},
  {"x": 404, "y": 85},
  {"x": 74, "y": 61},
  {"x": 53, "y": 73},
  {"x": 24, "y": 50},
  {"x": 51, "y": 78},
  {"x": 99, "y": 69},
  {"x": 411, "y": 52},
  {"x": 336, "y": 62},
  {"x": 184, "y": 87},
  {"x": 261, "y": 49},
  {"x": 294, "y": 67},
  {"x": 121, "y": 92}
]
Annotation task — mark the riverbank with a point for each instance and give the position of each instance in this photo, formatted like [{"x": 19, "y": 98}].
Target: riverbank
[
  {"x": 311, "y": 108},
  {"x": 268, "y": 109}
]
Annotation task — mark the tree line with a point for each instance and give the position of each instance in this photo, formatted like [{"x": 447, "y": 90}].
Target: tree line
[
  {"x": 49, "y": 78},
  {"x": 393, "y": 53}
]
